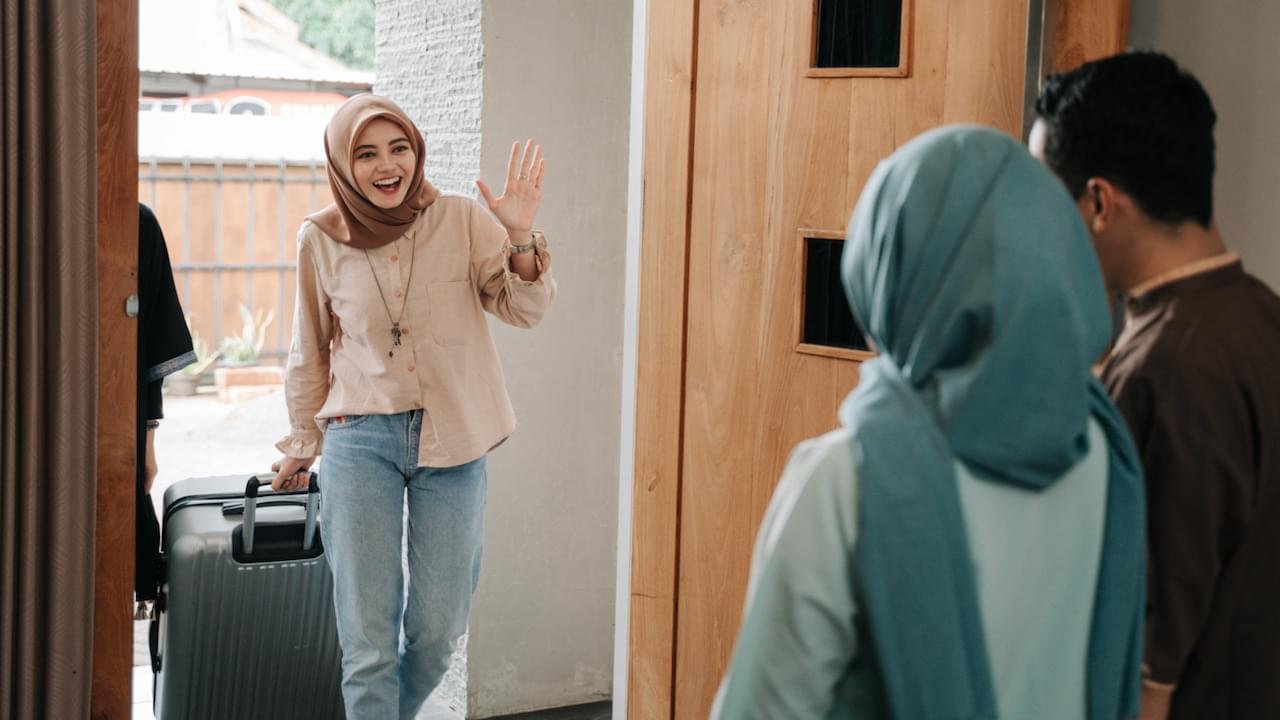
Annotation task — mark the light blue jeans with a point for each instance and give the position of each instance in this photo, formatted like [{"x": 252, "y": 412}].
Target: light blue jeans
[{"x": 369, "y": 467}]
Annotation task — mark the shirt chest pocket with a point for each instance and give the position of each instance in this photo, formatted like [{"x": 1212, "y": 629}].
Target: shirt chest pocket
[{"x": 453, "y": 310}]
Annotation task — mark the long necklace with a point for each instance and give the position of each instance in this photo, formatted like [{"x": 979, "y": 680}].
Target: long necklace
[{"x": 395, "y": 322}]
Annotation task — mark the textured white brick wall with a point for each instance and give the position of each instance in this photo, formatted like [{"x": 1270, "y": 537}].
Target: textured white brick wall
[{"x": 430, "y": 61}]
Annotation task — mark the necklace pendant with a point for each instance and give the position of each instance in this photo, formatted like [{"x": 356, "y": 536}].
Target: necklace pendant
[{"x": 395, "y": 334}]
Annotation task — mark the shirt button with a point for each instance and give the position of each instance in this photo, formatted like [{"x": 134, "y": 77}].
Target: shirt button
[
  {"x": 410, "y": 368},
  {"x": 399, "y": 294},
  {"x": 395, "y": 258},
  {"x": 404, "y": 330}
]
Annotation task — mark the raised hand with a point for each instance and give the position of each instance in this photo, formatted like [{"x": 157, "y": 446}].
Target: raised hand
[{"x": 518, "y": 204}]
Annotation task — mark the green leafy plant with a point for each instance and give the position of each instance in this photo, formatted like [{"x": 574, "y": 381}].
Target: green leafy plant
[
  {"x": 245, "y": 347},
  {"x": 204, "y": 358},
  {"x": 341, "y": 29}
]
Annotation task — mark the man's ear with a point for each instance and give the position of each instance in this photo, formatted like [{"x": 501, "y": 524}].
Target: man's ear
[{"x": 1103, "y": 199}]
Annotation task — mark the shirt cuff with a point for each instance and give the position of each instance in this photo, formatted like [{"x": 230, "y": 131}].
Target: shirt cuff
[
  {"x": 541, "y": 256},
  {"x": 170, "y": 366},
  {"x": 301, "y": 445},
  {"x": 1159, "y": 671}
]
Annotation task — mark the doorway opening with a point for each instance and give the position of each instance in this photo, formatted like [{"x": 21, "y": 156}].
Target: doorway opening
[{"x": 231, "y": 160}]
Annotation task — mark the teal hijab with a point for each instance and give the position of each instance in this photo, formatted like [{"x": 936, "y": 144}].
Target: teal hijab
[{"x": 969, "y": 268}]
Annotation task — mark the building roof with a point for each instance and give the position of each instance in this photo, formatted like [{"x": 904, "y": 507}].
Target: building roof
[
  {"x": 269, "y": 138},
  {"x": 232, "y": 38}
]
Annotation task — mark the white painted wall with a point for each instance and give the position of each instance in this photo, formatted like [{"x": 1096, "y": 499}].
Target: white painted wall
[
  {"x": 543, "y": 626},
  {"x": 1230, "y": 46}
]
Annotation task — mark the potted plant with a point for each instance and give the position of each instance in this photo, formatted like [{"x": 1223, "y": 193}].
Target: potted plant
[
  {"x": 184, "y": 381},
  {"x": 240, "y": 375},
  {"x": 243, "y": 349}
]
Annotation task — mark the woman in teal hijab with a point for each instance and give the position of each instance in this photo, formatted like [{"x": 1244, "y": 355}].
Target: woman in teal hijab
[{"x": 969, "y": 544}]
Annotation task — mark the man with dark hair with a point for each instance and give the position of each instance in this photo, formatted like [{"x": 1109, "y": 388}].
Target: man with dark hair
[{"x": 1193, "y": 371}]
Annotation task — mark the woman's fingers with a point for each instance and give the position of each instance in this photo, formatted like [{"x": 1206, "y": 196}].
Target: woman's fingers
[
  {"x": 533, "y": 164},
  {"x": 513, "y": 164},
  {"x": 290, "y": 473},
  {"x": 524, "y": 165},
  {"x": 526, "y": 162},
  {"x": 282, "y": 477},
  {"x": 296, "y": 481},
  {"x": 485, "y": 192}
]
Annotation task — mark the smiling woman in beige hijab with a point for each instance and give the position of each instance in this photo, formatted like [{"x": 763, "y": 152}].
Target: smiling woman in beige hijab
[
  {"x": 392, "y": 373},
  {"x": 353, "y": 218}
]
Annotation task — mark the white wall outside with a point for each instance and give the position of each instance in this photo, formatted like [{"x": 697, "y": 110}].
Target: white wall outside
[{"x": 429, "y": 61}]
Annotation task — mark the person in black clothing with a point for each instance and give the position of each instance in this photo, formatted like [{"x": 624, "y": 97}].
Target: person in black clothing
[
  {"x": 1193, "y": 372},
  {"x": 164, "y": 347}
]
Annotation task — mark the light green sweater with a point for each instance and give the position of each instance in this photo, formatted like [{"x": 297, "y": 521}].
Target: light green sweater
[{"x": 803, "y": 651}]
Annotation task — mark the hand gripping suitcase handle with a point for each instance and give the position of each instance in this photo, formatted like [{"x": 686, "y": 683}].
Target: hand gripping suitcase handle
[{"x": 251, "y": 509}]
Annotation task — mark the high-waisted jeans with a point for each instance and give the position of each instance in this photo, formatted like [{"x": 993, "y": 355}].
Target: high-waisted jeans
[{"x": 369, "y": 472}]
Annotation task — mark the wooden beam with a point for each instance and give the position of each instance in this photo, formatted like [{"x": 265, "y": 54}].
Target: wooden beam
[
  {"x": 668, "y": 118},
  {"x": 117, "y": 242},
  {"x": 1089, "y": 29}
]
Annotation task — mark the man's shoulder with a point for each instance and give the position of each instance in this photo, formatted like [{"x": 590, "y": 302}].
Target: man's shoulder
[{"x": 1214, "y": 329}]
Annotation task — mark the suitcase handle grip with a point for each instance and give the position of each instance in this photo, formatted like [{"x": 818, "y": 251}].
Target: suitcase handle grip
[{"x": 251, "y": 507}]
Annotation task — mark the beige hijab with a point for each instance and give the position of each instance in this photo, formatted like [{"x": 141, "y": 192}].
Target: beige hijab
[{"x": 352, "y": 219}]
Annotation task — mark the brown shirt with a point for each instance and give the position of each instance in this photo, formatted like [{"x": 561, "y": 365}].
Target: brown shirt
[
  {"x": 1195, "y": 372},
  {"x": 446, "y": 362}
]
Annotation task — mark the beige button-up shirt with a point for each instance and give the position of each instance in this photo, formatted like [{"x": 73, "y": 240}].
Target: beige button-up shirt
[{"x": 446, "y": 362}]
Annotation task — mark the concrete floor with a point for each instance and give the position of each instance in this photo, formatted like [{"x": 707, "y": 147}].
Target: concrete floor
[{"x": 435, "y": 709}]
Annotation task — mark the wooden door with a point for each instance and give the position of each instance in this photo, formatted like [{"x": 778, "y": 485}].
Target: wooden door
[
  {"x": 117, "y": 169},
  {"x": 778, "y": 154},
  {"x": 749, "y": 150}
]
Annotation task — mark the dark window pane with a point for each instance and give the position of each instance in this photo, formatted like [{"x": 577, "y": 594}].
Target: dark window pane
[
  {"x": 859, "y": 33},
  {"x": 827, "y": 319}
]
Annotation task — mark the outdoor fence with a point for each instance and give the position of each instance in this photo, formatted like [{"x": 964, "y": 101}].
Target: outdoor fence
[{"x": 230, "y": 228}]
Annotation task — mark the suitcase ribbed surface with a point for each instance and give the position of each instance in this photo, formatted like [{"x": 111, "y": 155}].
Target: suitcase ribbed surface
[{"x": 243, "y": 641}]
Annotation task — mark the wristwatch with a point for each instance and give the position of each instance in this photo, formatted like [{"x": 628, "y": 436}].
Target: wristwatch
[{"x": 527, "y": 247}]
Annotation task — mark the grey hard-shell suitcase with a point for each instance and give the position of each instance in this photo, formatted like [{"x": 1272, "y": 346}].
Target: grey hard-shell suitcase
[{"x": 244, "y": 625}]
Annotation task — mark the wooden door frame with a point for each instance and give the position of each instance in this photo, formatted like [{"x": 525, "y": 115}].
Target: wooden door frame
[
  {"x": 117, "y": 246},
  {"x": 668, "y": 115},
  {"x": 1083, "y": 30}
]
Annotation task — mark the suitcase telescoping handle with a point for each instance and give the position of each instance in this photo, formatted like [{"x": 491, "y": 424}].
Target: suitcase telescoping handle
[{"x": 251, "y": 508}]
